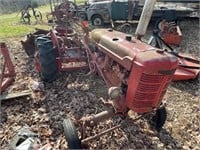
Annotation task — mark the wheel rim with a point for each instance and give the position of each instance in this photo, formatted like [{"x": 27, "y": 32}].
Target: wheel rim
[{"x": 125, "y": 28}]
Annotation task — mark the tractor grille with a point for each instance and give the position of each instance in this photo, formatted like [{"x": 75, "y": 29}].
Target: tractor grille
[
  {"x": 148, "y": 91},
  {"x": 146, "y": 78}
]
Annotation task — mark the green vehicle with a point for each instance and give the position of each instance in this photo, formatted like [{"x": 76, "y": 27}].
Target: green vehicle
[
  {"x": 103, "y": 12},
  {"x": 99, "y": 13}
]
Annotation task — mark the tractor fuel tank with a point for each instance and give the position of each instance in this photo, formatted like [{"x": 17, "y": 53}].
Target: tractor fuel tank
[{"x": 143, "y": 70}]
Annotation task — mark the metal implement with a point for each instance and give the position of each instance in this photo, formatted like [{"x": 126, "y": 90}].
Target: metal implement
[
  {"x": 29, "y": 11},
  {"x": 62, "y": 56},
  {"x": 61, "y": 10},
  {"x": 188, "y": 67},
  {"x": 61, "y": 49},
  {"x": 8, "y": 71},
  {"x": 29, "y": 43},
  {"x": 170, "y": 32}
]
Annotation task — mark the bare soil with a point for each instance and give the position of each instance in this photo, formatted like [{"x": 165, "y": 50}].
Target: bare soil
[{"x": 76, "y": 95}]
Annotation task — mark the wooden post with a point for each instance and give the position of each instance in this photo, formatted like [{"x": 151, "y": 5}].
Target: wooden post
[{"x": 145, "y": 18}]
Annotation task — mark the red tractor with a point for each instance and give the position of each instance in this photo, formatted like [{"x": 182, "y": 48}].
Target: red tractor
[{"x": 137, "y": 75}]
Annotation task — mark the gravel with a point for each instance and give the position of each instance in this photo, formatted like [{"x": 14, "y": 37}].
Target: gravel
[{"x": 76, "y": 95}]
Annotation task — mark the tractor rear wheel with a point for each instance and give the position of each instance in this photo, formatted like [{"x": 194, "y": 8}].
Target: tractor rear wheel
[
  {"x": 71, "y": 134},
  {"x": 47, "y": 59}
]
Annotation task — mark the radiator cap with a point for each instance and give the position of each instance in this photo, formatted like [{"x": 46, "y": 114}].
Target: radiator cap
[{"x": 128, "y": 37}]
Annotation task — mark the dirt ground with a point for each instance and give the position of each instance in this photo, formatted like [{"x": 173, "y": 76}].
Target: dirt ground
[{"x": 76, "y": 95}]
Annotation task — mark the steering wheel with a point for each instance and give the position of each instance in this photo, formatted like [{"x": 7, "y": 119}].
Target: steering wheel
[{"x": 66, "y": 11}]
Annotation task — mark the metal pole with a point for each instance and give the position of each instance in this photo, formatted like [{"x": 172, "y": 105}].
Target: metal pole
[
  {"x": 108, "y": 130},
  {"x": 145, "y": 18},
  {"x": 50, "y": 2}
]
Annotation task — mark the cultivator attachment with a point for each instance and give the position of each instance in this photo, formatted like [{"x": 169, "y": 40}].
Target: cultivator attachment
[
  {"x": 188, "y": 67},
  {"x": 170, "y": 32},
  {"x": 7, "y": 68},
  {"x": 60, "y": 50}
]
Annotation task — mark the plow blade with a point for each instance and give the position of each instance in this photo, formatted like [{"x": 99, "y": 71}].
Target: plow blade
[{"x": 188, "y": 68}]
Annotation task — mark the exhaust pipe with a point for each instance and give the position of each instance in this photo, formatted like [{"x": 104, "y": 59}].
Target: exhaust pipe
[{"x": 145, "y": 18}]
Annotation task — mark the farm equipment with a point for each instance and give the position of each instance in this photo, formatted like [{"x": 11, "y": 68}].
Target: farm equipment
[
  {"x": 29, "y": 43},
  {"x": 188, "y": 67},
  {"x": 170, "y": 32},
  {"x": 60, "y": 51},
  {"x": 62, "y": 9},
  {"x": 7, "y": 68},
  {"x": 137, "y": 74},
  {"x": 29, "y": 11}
]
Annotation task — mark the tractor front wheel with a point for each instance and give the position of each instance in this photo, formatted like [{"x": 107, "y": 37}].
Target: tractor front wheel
[
  {"x": 71, "y": 134},
  {"x": 47, "y": 59},
  {"x": 159, "y": 118}
]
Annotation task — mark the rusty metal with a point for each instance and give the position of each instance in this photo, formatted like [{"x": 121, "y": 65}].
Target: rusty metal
[
  {"x": 136, "y": 73},
  {"x": 69, "y": 48},
  {"x": 8, "y": 71},
  {"x": 116, "y": 55},
  {"x": 108, "y": 50},
  {"x": 170, "y": 32},
  {"x": 95, "y": 119},
  {"x": 29, "y": 43},
  {"x": 62, "y": 11},
  {"x": 188, "y": 67},
  {"x": 100, "y": 134},
  {"x": 85, "y": 140}
]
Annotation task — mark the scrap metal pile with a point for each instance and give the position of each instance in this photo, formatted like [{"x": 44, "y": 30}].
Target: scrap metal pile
[{"x": 137, "y": 74}]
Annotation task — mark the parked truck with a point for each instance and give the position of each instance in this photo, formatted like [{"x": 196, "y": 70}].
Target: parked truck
[{"x": 99, "y": 13}]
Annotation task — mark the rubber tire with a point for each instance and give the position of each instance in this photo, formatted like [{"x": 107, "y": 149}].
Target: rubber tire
[
  {"x": 38, "y": 15},
  {"x": 47, "y": 58},
  {"x": 71, "y": 134},
  {"x": 160, "y": 118},
  {"x": 97, "y": 17}
]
